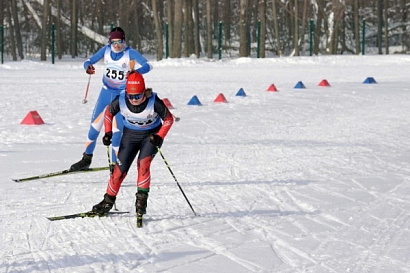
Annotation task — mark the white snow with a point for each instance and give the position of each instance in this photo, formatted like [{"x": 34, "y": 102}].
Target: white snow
[{"x": 300, "y": 180}]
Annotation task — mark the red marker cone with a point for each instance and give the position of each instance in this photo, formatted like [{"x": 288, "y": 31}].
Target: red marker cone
[
  {"x": 32, "y": 118},
  {"x": 220, "y": 98},
  {"x": 324, "y": 83},
  {"x": 272, "y": 88}
]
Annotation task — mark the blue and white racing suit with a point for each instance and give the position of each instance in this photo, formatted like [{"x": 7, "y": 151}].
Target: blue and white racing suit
[{"x": 116, "y": 67}]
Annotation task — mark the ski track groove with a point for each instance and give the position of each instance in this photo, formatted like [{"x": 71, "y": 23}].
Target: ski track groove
[
  {"x": 169, "y": 236},
  {"x": 148, "y": 251},
  {"x": 331, "y": 193},
  {"x": 299, "y": 223},
  {"x": 374, "y": 255},
  {"x": 381, "y": 243},
  {"x": 192, "y": 232},
  {"x": 278, "y": 245},
  {"x": 215, "y": 247},
  {"x": 47, "y": 233}
]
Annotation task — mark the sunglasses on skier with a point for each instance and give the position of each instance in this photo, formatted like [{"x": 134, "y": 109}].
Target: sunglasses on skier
[
  {"x": 119, "y": 42},
  {"x": 135, "y": 97}
]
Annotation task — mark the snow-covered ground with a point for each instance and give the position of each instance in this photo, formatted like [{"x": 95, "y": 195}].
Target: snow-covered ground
[{"x": 300, "y": 180}]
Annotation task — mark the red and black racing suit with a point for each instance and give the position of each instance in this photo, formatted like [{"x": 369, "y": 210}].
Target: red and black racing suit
[{"x": 134, "y": 141}]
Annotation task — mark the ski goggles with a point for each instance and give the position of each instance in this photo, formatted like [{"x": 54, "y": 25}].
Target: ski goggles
[
  {"x": 135, "y": 96},
  {"x": 119, "y": 42}
]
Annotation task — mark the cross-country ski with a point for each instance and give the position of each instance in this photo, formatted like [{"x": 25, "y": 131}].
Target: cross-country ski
[
  {"x": 59, "y": 173},
  {"x": 88, "y": 214}
]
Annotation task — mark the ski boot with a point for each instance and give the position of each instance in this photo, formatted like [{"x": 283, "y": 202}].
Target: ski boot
[
  {"x": 141, "y": 202},
  {"x": 105, "y": 205},
  {"x": 141, "y": 206},
  {"x": 83, "y": 164}
]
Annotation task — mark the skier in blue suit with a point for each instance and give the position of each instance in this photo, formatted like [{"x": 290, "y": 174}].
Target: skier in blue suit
[{"x": 119, "y": 60}]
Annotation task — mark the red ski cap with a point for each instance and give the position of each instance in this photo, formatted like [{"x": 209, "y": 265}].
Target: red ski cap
[{"x": 135, "y": 84}]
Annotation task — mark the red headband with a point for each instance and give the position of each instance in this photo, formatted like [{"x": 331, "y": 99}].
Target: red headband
[{"x": 117, "y": 35}]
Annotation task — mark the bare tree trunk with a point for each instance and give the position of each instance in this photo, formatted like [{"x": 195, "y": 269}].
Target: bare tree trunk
[
  {"x": 59, "y": 36},
  {"x": 405, "y": 38},
  {"x": 356, "y": 25},
  {"x": 44, "y": 30},
  {"x": 276, "y": 28},
  {"x": 296, "y": 34},
  {"x": 12, "y": 39},
  {"x": 379, "y": 25},
  {"x": 158, "y": 31},
  {"x": 74, "y": 25},
  {"x": 303, "y": 28},
  {"x": 208, "y": 29},
  {"x": 170, "y": 8},
  {"x": 253, "y": 18},
  {"x": 262, "y": 16},
  {"x": 343, "y": 34},
  {"x": 100, "y": 16},
  {"x": 2, "y": 7},
  {"x": 250, "y": 12},
  {"x": 19, "y": 41},
  {"x": 386, "y": 25},
  {"x": 227, "y": 22},
  {"x": 138, "y": 8},
  {"x": 197, "y": 44},
  {"x": 189, "y": 29},
  {"x": 123, "y": 9},
  {"x": 243, "y": 29},
  {"x": 338, "y": 11},
  {"x": 318, "y": 28},
  {"x": 215, "y": 17},
  {"x": 177, "y": 41}
]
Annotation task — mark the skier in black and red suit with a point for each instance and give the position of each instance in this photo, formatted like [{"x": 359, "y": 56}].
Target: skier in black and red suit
[{"x": 146, "y": 123}]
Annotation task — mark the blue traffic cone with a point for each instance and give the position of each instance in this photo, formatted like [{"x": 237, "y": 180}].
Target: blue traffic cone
[
  {"x": 241, "y": 93},
  {"x": 194, "y": 101},
  {"x": 300, "y": 85},
  {"x": 370, "y": 80}
]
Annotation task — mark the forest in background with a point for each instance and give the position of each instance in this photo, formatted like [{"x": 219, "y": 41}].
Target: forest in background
[{"x": 202, "y": 28}]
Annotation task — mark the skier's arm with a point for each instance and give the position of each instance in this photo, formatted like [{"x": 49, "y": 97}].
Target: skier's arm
[
  {"x": 112, "y": 109},
  {"x": 145, "y": 66},
  {"x": 166, "y": 116},
  {"x": 95, "y": 58}
]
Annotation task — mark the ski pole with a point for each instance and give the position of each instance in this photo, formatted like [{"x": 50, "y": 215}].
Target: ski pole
[
  {"x": 109, "y": 165},
  {"x": 179, "y": 186},
  {"x": 86, "y": 90},
  {"x": 108, "y": 155}
]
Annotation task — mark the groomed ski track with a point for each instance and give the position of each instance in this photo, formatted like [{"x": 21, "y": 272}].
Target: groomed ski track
[{"x": 313, "y": 180}]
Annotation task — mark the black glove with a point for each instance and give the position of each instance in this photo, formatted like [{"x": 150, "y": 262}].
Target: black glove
[
  {"x": 156, "y": 140},
  {"x": 90, "y": 69},
  {"x": 107, "y": 138},
  {"x": 112, "y": 166}
]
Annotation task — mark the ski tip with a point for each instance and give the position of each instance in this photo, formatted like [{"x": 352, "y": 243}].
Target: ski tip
[
  {"x": 55, "y": 218},
  {"x": 16, "y": 180}
]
